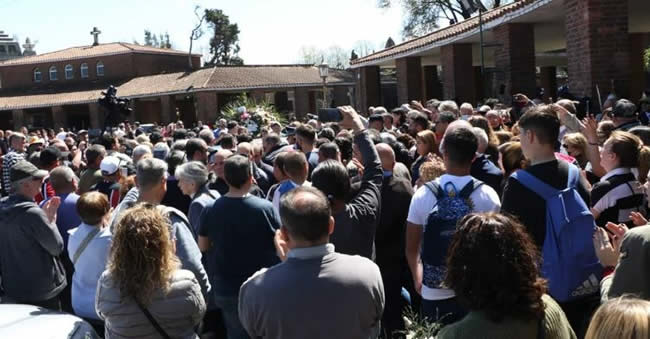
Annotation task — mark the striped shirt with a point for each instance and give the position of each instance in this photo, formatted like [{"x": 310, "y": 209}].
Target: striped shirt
[
  {"x": 9, "y": 160},
  {"x": 616, "y": 195}
]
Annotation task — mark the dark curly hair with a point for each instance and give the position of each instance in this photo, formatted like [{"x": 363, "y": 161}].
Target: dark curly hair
[{"x": 493, "y": 267}]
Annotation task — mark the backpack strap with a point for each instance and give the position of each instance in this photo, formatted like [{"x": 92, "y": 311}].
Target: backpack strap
[
  {"x": 574, "y": 177},
  {"x": 434, "y": 187},
  {"x": 471, "y": 186},
  {"x": 84, "y": 244},
  {"x": 534, "y": 184}
]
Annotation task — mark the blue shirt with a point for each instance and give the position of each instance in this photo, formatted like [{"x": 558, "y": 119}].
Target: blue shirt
[
  {"x": 67, "y": 217},
  {"x": 241, "y": 231}
]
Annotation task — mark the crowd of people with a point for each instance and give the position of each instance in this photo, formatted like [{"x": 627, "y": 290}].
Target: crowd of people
[{"x": 521, "y": 221}]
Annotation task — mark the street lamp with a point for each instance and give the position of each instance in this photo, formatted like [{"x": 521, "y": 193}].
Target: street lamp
[{"x": 324, "y": 70}]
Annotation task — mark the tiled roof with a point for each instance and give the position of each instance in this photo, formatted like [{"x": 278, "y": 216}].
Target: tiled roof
[
  {"x": 49, "y": 99},
  {"x": 228, "y": 78},
  {"x": 265, "y": 76},
  {"x": 90, "y": 52},
  {"x": 445, "y": 33}
]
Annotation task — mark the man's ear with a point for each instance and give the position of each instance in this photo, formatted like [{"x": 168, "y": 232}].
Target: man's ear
[
  {"x": 530, "y": 135},
  {"x": 330, "y": 228}
]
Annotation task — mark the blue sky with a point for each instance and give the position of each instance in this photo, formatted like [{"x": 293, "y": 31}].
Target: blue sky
[{"x": 271, "y": 31}]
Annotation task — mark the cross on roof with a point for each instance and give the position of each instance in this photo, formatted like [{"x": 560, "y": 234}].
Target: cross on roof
[{"x": 95, "y": 33}]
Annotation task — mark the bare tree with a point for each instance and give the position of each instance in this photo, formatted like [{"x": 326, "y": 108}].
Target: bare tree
[
  {"x": 422, "y": 15},
  {"x": 197, "y": 32}
]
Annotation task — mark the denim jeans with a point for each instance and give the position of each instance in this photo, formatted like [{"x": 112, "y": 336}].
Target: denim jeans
[{"x": 230, "y": 312}]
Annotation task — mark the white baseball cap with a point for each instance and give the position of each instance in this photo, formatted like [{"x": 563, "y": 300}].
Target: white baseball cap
[{"x": 110, "y": 165}]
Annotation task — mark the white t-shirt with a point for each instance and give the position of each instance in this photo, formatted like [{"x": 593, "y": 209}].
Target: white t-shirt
[{"x": 484, "y": 198}]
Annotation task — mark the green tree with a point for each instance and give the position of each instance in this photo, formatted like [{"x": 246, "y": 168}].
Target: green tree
[
  {"x": 646, "y": 59},
  {"x": 389, "y": 43},
  {"x": 160, "y": 40},
  {"x": 422, "y": 15},
  {"x": 224, "y": 43},
  {"x": 148, "y": 41}
]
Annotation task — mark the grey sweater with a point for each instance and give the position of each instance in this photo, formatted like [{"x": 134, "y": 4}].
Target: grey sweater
[
  {"x": 315, "y": 293},
  {"x": 29, "y": 250}
]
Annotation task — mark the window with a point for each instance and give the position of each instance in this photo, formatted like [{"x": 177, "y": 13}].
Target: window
[
  {"x": 12, "y": 49},
  {"x": 37, "y": 75},
  {"x": 53, "y": 73},
  {"x": 100, "y": 69},
  {"x": 69, "y": 72},
  {"x": 3, "y": 50},
  {"x": 84, "y": 71}
]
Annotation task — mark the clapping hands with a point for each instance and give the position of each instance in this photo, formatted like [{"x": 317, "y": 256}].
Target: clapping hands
[{"x": 608, "y": 249}]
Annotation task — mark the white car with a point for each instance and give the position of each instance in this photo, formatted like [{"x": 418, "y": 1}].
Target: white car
[{"x": 27, "y": 321}]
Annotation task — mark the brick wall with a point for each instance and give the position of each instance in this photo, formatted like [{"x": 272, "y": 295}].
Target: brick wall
[
  {"x": 515, "y": 59},
  {"x": 597, "y": 47},
  {"x": 458, "y": 73},
  {"x": 116, "y": 67},
  {"x": 638, "y": 75},
  {"x": 409, "y": 79},
  {"x": 368, "y": 88}
]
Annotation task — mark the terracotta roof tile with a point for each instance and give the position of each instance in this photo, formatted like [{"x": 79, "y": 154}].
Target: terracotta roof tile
[
  {"x": 218, "y": 78},
  {"x": 445, "y": 33},
  {"x": 89, "y": 52},
  {"x": 268, "y": 76}
]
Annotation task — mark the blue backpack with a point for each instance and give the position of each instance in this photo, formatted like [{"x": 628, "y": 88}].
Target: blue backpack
[
  {"x": 569, "y": 260},
  {"x": 451, "y": 206}
]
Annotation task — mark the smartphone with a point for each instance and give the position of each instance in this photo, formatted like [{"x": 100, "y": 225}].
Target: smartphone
[{"x": 329, "y": 115}]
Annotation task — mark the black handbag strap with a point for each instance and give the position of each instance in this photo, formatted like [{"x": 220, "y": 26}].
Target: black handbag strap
[{"x": 152, "y": 320}]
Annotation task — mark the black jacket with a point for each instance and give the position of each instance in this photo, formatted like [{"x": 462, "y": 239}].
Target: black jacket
[
  {"x": 483, "y": 169},
  {"x": 354, "y": 233},
  {"x": 390, "y": 240}
]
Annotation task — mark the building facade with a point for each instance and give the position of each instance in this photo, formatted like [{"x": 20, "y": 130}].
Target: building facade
[
  {"x": 62, "y": 88},
  {"x": 520, "y": 48}
]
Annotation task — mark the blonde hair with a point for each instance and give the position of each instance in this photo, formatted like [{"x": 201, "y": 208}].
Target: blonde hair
[
  {"x": 627, "y": 148},
  {"x": 621, "y": 318},
  {"x": 142, "y": 257},
  {"x": 431, "y": 170},
  {"x": 576, "y": 140}
]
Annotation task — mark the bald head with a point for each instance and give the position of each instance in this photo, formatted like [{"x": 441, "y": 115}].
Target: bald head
[
  {"x": 220, "y": 162},
  {"x": 457, "y": 124},
  {"x": 245, "y": 149},
  {"x": 306, "y": 215},
  {"x": 386, "y": 156}
]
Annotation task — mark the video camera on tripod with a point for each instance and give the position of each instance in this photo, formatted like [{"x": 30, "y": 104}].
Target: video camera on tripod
[{"x": 115, "y": 107}]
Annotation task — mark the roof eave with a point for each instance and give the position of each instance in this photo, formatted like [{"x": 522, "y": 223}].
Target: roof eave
[
  {"x": 439, "y": 43},
  {"x": 90, "y": 57}
]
